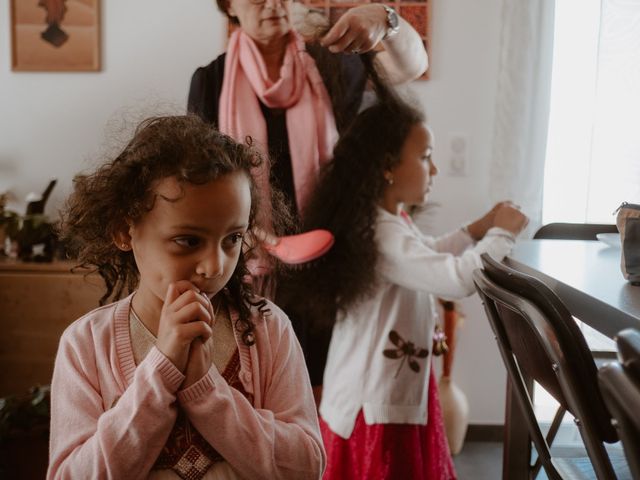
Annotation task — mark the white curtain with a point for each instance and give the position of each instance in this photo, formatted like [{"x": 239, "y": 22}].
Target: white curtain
[
  {"x": 593, "y": 152},
  {"x": 522, "y": 105}
]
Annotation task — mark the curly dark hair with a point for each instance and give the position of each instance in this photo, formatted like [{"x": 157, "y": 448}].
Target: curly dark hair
[
  {"x": 121, "y": 190},
  {"x": 346, "y": 203}
]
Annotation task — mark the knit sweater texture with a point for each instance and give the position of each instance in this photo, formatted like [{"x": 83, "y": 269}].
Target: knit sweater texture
[
  {"x": 111, "y": 418},
  {"x": 380, "y": 352}
]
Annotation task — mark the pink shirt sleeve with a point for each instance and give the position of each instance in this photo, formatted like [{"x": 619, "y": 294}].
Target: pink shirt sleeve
[
  {"x": 282, "y": 439},
  {"x": 93, "y": 440}
]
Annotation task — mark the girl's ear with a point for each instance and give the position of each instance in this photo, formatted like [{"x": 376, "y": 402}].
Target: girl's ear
[
  {"x": 388, "y": 176},
  {"x": 122, "y": 239},
  {"x": 389, "y": 162},
  {"x": 230, "y": 10}
]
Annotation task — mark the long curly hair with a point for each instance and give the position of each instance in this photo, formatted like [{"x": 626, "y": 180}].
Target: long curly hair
[
  {"x": 121, "y": 191},
  {"x": 345, "y": 203}
]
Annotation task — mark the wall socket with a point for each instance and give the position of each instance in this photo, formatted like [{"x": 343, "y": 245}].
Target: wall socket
[{"x": 458, "y": 154}]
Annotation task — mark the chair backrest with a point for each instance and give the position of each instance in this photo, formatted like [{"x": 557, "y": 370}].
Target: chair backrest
[
  {"x": 547, "y": 343},
  {"x": 628, "y": 342},
  {"x": 574, "y": 231},
  {"x": 620, "y": 384}
]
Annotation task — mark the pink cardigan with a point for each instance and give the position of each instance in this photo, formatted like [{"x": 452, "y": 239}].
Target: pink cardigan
[{"x": 110, "y": 419}]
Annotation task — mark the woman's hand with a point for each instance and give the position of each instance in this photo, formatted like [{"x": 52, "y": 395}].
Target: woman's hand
[
  {"x": 186, "y": 317},
  {"x": 359, "y": 30}
]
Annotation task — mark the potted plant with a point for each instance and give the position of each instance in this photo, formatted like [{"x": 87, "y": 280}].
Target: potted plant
[{"x": 24, "y": 434}]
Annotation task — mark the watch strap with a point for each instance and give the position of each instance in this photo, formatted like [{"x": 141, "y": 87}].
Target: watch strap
[{"x": 393, "y": 22}]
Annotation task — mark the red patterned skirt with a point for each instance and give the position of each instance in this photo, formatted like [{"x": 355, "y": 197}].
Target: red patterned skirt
[{"x": 391, "y": 451}]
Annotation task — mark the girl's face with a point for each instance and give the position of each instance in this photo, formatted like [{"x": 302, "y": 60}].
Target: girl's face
[
  {"x": 194, "y": 233},
  {"x": 410, "y": 179},
  {"x": 263, "y": 20}
]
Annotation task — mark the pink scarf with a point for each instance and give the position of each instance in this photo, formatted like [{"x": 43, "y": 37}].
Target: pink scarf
[{"x": 300, "y": 90}]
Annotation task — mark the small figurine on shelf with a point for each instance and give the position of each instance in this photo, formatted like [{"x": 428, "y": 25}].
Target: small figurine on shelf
[
  {"x": 36, "y": 237},
  {"x": 37, "y": 202},
  {"x": 9, "y": 225}
]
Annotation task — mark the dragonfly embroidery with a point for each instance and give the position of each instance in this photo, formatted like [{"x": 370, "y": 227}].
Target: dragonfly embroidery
[{"x": 405, "y": 351}]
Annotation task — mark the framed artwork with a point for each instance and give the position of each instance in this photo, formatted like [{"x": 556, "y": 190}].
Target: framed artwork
[{"x": 55, "y": 35}]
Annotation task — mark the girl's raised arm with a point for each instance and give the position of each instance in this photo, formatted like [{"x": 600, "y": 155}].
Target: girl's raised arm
[{"x": 419, "y": 263}]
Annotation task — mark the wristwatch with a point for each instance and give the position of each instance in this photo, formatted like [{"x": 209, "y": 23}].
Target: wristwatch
[{"x": 393, "y": 22}]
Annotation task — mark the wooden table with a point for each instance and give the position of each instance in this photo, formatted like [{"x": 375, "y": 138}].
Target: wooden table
[
  {"x": 586, "y": 276},
  {"x": 37, "y": 302}
]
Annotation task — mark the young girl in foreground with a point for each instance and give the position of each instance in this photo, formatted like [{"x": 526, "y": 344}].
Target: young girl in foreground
[
  {"x": 191, "y": 376},
  {"x": 380, "y": 416}
]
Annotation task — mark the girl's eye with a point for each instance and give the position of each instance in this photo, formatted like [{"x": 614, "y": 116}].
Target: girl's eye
[
  {"x": 187, "y": 242},
  {"x": 235, "y": 238}
]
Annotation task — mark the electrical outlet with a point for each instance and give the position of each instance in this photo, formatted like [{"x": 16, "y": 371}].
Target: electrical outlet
[{"x": 458, "y": 147}]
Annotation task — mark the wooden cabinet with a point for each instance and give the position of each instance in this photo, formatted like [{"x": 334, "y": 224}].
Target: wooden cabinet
[{"x": 37, "y": 302}]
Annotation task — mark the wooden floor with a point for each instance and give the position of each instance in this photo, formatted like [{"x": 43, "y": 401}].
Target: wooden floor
[
  {"x": 479, "y": 461},
  {"x": 483, "y": 461}
]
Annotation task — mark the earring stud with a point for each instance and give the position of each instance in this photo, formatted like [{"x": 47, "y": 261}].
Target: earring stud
[{"x": 124, "y": 246}]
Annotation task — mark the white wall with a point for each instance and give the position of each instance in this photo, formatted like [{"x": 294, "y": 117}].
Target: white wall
[
  {"x": 56, "y": 124},
  {"x": 53, "y": 124}
]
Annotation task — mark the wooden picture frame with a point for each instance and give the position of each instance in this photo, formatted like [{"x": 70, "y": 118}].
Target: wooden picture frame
[{"x": 55, "y": 35}]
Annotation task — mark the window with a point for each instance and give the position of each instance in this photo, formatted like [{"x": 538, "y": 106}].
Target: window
[{"x": 593, "y": 148}]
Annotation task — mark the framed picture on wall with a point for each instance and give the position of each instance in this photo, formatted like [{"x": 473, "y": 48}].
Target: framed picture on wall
[{"x": 55, "y": 35}]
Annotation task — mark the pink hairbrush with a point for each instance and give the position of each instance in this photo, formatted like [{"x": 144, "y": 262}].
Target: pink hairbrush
[{"x": 302, "y": 248}]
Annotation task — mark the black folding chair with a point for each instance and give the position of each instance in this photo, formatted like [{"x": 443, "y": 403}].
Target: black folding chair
[
  {"x": 539, "y": 341},
  {"x": 574, "y": 231},
  {"x": 620, "y": 385},
  {"x": 599, "y": 345}
]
